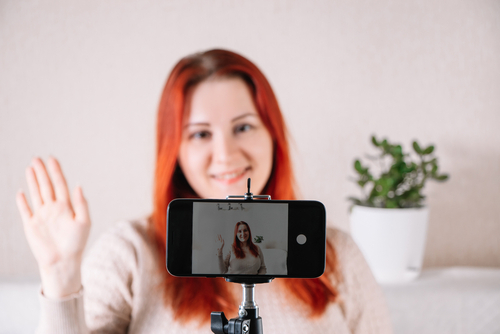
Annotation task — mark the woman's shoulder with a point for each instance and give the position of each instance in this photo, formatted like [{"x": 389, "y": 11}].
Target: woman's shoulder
[
  {"x": 346, "y": 250},
  {"x": 339, "y": 238}
]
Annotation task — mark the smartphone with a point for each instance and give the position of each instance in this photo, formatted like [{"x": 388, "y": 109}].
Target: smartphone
[{"x": 246, "y": 238}]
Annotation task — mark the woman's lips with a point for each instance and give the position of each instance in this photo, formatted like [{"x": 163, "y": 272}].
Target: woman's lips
[{"x": 230, "y": 177}]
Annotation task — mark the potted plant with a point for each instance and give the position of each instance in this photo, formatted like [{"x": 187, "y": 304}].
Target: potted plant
[{"x": 389, "y": 222}]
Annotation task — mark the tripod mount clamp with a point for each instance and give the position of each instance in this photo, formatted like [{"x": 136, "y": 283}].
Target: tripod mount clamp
[{"x": 248, "y": 195}]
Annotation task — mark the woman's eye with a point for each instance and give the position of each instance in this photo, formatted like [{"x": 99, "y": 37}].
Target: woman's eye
[
  {"x": 200, "y": 135},
  {"x": 243, "y": 128}
]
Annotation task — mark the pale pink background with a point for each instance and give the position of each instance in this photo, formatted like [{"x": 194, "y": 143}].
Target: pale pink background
[{"x": 81, "y": 80}]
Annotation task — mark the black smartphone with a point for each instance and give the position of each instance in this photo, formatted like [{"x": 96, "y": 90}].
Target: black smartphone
[{"x": 246, "y": 238}]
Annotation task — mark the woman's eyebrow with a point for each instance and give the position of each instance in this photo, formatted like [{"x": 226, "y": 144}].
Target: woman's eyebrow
[
  {"x": 196, "y": 124},
  {"x": 237, "y": 118},
  {"x": 243, "y": 116}
]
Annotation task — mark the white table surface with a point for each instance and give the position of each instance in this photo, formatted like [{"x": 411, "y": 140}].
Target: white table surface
[{"x": 456, "y": 300}]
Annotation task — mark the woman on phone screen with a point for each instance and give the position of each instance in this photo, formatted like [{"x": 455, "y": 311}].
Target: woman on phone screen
[
  {"x": 245, "y": 257},
  {"x": 218, "y": 124}
]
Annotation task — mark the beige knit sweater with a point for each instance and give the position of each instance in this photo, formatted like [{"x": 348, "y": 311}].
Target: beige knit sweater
[{"x": 122, "y": 294}]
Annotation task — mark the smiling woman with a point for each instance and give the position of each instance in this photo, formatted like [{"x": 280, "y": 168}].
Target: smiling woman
[{"x": 218, "y": 124}]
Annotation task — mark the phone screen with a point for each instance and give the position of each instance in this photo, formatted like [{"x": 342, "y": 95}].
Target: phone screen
[
  {"x": 241, "y": 228},
  {"x": 246, "y": 238}
]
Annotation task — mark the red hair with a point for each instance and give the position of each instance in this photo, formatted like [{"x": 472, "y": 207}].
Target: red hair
[
  {"x": 192, "y": 298},
  {"x": 238, "y": 252}
]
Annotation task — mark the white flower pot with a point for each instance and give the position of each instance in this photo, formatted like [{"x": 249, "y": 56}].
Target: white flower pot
[{"x": 391, "y": 240}]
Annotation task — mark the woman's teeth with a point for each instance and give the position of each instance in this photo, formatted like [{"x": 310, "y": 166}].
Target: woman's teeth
[{"x": 229, "y": 175}]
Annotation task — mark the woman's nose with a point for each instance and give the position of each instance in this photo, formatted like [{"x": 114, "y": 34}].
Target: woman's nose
[{"x": 224, "y": 148}]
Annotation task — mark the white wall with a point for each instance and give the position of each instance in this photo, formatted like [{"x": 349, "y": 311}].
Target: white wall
[{"x": 81, "y": 80}]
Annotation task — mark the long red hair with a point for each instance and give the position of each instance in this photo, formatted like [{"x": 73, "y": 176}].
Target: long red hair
[
  {"x": 238, "y": 251},
  {"x": 195, "y": 298}
]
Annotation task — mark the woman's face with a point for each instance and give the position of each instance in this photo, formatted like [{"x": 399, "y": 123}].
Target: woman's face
[
  {"x": 242, "y": 233},
  {"x": 224, "y": 141}
]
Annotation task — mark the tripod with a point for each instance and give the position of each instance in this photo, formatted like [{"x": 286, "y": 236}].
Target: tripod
[{"x": 248, "y": 321}]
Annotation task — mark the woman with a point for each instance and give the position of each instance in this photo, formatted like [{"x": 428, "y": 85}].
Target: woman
[
  {"x": 245, "y": 257},
  {"x": 218, "y": 124}
]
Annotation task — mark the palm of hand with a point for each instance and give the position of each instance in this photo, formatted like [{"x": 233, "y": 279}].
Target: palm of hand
[
  {"x": 55, "y": 234},
  {"x": 220, "y": 242},
  {"x": 56, "y": 230}
]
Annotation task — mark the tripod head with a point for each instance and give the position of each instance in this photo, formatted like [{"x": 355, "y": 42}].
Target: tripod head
[{"x": 248, "y": 321}]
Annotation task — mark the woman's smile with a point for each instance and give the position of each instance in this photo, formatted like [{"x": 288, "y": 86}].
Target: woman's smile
[{"x": 231, "y": 177}]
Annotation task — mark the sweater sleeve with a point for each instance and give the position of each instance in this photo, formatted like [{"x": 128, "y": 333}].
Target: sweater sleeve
[
  {"x": 224, "y": 263},
  {"x": 362, "y": 299},
  {"x": 104, "y": 305},
  {"x": 64, "y": 315}
]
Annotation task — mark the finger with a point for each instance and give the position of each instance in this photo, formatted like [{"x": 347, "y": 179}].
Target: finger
[
  {"x": 60, "y": 185},
  {"x": 80, "y": 205},
  {"x": 43, "y": 179},
  {"x": 23, "y": 207},
  {"x": 33, "y": 188}
]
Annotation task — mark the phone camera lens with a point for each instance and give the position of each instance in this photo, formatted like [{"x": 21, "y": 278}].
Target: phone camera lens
[{"x": 301, "y": 239}]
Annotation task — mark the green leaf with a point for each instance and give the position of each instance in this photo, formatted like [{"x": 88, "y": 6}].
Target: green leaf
[
  {"x": 417, "y": 148},
  {"x": 428, "y": 150},
  {"x": 383, "y": 186},
  {"x": 442, "y": 177},
  {"x": 413, "y": 195},
  {"x": 434, "y": 169},
  {"x": 397, "y": 151},
  {"x": 391, "y": 204},
  {"x": 374, "y": 141},
  {"x": 408, "y": 169},
  {"x": 358, "y": 167},
  {"x": 384, "y": 143},
  {"x": 355, "y": 200}
]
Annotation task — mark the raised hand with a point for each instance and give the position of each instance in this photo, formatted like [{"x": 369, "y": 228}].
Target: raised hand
[
  {"x": 220, "y": 242},
  {"x": 56, "y": 229}
]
